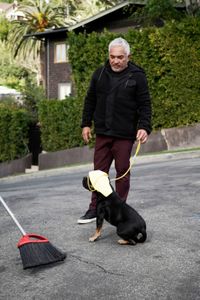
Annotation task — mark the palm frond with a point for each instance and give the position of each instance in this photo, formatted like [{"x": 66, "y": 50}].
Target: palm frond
[{"x": 38, "y": 16}]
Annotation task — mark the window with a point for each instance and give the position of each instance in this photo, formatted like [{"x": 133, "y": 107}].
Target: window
[
  {"x": 64, "y": 89},
  {"x": 60, "y": 53}
]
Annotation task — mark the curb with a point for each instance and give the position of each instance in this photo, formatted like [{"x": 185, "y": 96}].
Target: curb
[
  {"x": 140, "y": 159},
  {"x": 184, "y": 140},
  {"x": 165, "y": 140}
]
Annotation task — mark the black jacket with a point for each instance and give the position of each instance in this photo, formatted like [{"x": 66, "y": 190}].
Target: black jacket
[{"x": 118, "y": 102}]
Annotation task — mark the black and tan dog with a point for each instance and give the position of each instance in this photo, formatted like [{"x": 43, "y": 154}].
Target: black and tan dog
[{"x": 131, "y": 227}]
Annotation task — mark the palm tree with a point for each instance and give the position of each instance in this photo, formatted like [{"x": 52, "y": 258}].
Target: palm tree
[{"x": 38, "y": 16}]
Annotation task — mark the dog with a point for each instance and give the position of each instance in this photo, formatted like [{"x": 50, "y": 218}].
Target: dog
[{"x": 131, "y": 227}]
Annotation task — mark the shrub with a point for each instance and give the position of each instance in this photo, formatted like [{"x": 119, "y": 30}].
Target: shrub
[
  {"x": 170, "y": 56},
  {"x": 14, "y": 125},
  {"x": 60, "y": 123}
]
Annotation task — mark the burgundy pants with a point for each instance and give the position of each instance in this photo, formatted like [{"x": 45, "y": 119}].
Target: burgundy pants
[{"x": 106, "y": 150}]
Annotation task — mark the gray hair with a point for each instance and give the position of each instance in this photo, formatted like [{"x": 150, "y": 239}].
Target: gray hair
[{"x": 120, "y": 42}]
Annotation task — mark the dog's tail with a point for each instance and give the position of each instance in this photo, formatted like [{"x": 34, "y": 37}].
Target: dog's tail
[{"x": 141, "y": 236}]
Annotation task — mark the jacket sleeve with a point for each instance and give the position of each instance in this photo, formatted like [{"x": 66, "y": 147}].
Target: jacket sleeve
[
  {"x": 89, "y": 103},
  {"x": 144, "y": 103}
]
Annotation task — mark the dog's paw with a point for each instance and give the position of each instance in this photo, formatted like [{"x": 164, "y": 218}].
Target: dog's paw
[
  {"x": 122, "y": 242},
  {"x": 92, "y": 239},
  {"x": 125, "y": 242}
]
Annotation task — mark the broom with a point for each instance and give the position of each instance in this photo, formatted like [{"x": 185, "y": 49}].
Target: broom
[{"x": 35, "y": 250}]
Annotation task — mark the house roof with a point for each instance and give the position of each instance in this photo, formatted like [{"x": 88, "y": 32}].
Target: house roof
[
  {"x": 92, "y": 19},
  {"x": 88, "y": 20},
  {"x": 106, "y": 12},
  {"x": 5, "y": 6},
  {"x": 47, "y": 32},
  {"x": 113, "y": 9}
]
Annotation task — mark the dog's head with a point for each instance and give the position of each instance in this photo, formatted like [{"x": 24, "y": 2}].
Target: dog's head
[{"x": 97, "y": 181}]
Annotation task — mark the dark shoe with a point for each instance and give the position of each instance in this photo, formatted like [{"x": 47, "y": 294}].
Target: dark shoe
[{"x": 90, "y": 216}]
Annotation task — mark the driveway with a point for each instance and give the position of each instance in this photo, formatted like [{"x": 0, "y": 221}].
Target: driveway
[{"x": 165, "y": 190}]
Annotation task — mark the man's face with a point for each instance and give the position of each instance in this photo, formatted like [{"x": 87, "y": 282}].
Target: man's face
[{"x": 118, "y": 58}]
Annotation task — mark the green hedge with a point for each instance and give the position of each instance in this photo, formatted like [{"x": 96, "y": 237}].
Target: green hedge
[
  {"x": 14, "y": 126},
  {"x": 170, "y": 57},
  {"x": 60, "y": 123}
]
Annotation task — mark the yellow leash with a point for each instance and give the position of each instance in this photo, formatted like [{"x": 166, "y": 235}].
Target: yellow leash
[
  {"x": 120, "y": 177},
  {"x": 131, "y": 163}
]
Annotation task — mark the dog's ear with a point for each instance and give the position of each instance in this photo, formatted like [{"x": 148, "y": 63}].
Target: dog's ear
[{"x": 85, "y": 183}]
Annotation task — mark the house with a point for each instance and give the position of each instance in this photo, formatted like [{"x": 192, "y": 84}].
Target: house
[
  {"x": 56, "y": 68},
  {"x": 10, "y": 11},
  {"x": 6, "y": 92}
]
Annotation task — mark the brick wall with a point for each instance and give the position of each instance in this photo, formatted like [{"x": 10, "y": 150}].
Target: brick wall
[{"x": 58, "y": 72}]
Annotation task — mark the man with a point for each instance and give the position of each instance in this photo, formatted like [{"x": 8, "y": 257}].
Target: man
[{"x": 118, "y": 102}]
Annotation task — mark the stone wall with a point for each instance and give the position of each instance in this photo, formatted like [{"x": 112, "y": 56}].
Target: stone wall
[
  {"x": 16, "y": 166},
  {"x": 166, "y": 139},
  {"x": 55, "y": 73}
]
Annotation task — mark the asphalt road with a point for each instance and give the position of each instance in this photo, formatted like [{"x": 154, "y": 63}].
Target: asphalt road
[{"x": 165, "y": 191}]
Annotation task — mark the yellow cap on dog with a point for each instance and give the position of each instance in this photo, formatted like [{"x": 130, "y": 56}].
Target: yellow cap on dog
[{"x": 100, "y": 182}]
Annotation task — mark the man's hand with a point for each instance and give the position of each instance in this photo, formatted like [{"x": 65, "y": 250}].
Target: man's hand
[
  {"x": 142, "y": 136},
  {"x": 86, "y": 134}
]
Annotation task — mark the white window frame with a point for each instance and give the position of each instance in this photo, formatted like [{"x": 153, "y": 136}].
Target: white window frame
[
  {"x": 60, "y": 52},
  {"x": 64, "y": 90}
]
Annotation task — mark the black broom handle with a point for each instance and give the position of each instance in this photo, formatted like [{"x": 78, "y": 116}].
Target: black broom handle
[{"x": 12, "y": 216}]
